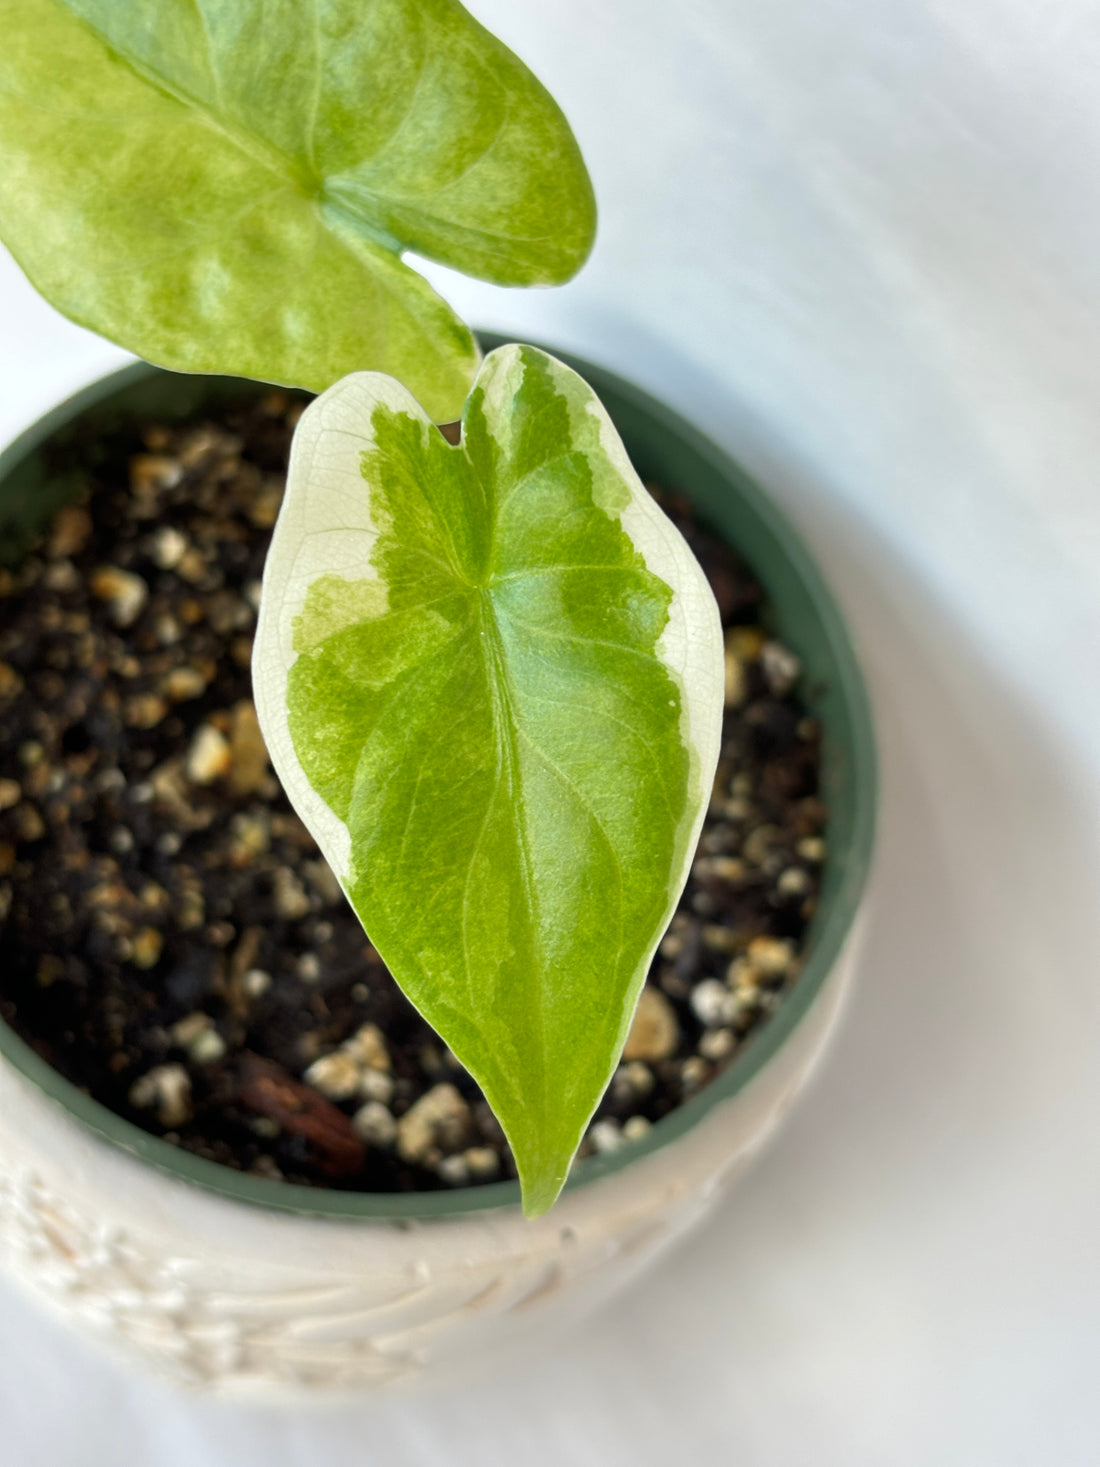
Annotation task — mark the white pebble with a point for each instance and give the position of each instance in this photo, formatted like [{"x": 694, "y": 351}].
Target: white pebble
[
  {"x": 694, "y": 1072},
  {"x": 482, "y": 1162},
  {"x": 376, "y": 1085},
  {"x": 453, "y": 1170},
  {"x": 208, "y": 758},
  {"x": 182, "y": 684},
  {"x": 633, "y": 1080},
  {"x": 124, "y": 593},
  {"x": 168, "y": 630},
  {"x": 367, "y": 1046},
  {"x": 438, "y": 1121},
  {"x": 742, "y": 976},
  {"x": 713, "y": 1003},
  {"x": 770, "y": 956},
  {"x": 606, "y": 1136},
  {"x": 207, "y": 1048},
  {"x": 309, "y": 967},
  {"x": 62, "y": 576},
  {"x": 256, "y": 982},
  {"x": 780, "y": 666},
  {"x": 168, "y": 547},
  {"x": 335, "y": 1075},
  {"x": 793, "y": 882},
  {"x": 168, "y": 1089},
  {"x": 186, "y": 1030},
  {"x": 635, "y": 1128},
  {"x": 721, "y": 939},
  {"x": 374, "y": 1123},
  {"x": 716, "y": 1044},
  {"x": 291, "y": 901},
  {"x": 760, "y": 844}
]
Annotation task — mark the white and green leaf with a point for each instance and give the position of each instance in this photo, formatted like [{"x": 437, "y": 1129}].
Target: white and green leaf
[
  {"x": 227, "y": 185},
  {"x": 490, "y": 678}
]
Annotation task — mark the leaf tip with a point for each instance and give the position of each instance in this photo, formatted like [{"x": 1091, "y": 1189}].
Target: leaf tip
[{"x": 539, "y": 1193}]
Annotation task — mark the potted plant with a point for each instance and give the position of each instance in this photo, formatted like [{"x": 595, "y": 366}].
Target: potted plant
[{"x": 517, "y": 589}]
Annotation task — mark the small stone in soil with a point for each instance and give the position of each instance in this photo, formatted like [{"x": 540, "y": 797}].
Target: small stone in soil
[
  {"x": 717, "y": 1045},
  {"x": 207, "y": 1048},
  {"x": 713, "y": 1003},
  {"x": 694, "y": 1072},
  {"x": 181, "y": 684},
  {"x": 781, "y": 668},
  {"x": 654, "y": 1033},
  {"x": 208, "y": 758},
  {"x": 186, "y": 1030},
  {"x": 632, "y": 1081},
  {"x": 375, "y": 1124},
  {"x": 437, "y": 1123},
  {"x": 291, "y": 900},
  {"x": 367, "y": 1046},
  {"x": 309, "y": 964},
  {"x": 482, "y": 1163},
  {"x": 124, "y": 593},
  {"x": 335, "y": 1075},
  {"x": 167, "y": 1089},
  {"x": 256, "y": 982},
  {"x": 605, "y": 1135},
  {"x": 453, "y": 1170},
  {"x": 771, "y": 956},
  {"x": 376, "y": 1085},
  {"x": 69, "y": 533},
  {"x": 247, "y": 751}
]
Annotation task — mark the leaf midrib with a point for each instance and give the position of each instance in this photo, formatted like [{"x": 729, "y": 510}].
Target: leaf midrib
[{"x": 506, "y": 730}]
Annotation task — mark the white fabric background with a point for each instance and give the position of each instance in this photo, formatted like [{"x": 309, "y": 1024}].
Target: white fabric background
[{"x": 858, "y": 243}]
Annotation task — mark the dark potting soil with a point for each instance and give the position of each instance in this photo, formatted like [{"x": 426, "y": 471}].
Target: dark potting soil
[{"x": 171, "y": 939}]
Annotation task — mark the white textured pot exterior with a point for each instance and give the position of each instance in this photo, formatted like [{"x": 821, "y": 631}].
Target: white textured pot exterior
[{"x": 250, "y": 1302}]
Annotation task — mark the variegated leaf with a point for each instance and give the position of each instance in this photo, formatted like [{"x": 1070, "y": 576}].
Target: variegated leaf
[
  {"x": 227, "y": 185},
  {"x": 490, "y": 677}
]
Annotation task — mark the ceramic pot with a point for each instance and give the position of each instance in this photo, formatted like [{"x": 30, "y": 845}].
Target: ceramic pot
[{"x": 252, "y": 1287}]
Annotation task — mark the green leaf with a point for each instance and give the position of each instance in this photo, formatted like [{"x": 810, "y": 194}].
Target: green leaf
[
  {"x": 490, "y": 678},
  {"x": 226, "y": 185}
]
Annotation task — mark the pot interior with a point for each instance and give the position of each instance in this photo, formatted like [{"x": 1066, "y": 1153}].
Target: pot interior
[{"x": 800, "y": 612}]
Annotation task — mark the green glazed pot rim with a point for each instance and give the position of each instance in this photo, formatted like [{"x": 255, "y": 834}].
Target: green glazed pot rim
[{"x": 831, "y": 925}]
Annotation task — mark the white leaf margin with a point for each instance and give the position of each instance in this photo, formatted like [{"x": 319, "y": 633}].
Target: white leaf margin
[{"x": 325, "y": 527}]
